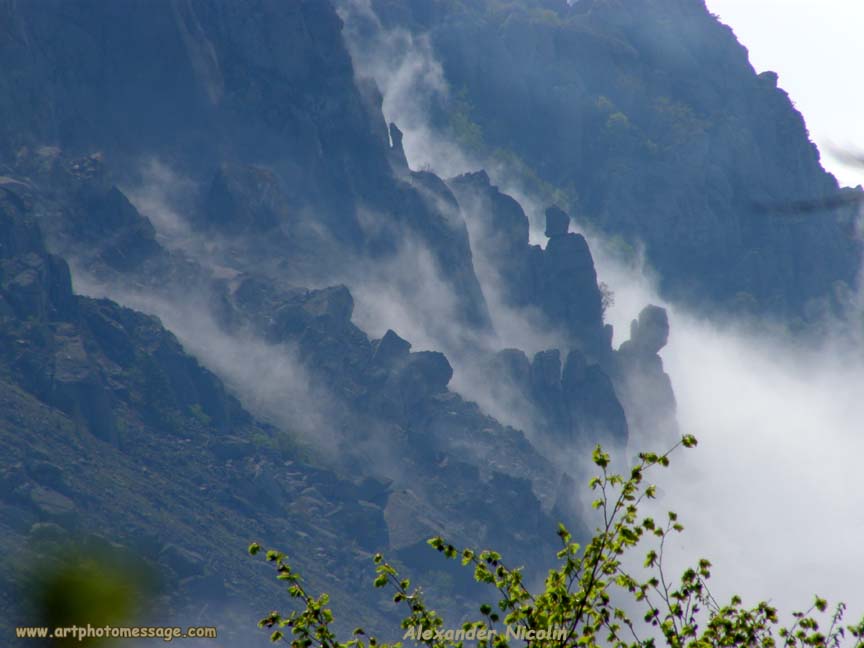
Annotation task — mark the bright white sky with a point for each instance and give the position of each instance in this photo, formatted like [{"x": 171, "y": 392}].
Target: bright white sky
[{"x": 817, "y": 48}]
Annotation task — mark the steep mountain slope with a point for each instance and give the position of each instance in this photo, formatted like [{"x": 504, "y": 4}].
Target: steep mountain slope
[
  {"x": 354, "y": 201},
  {"x": 649, "y": 118},
  {"x": 419, "y": 460},
  {"x": 115, "y": 438},
  {"x": 256, "y": 405},
  {"x": 197, "y": 84}
]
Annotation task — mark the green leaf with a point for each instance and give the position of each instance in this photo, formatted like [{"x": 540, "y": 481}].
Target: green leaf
[{"x": 599, "y": 457}]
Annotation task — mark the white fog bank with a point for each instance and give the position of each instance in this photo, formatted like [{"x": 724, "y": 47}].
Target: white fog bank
[{"x": 772, "y": 494}]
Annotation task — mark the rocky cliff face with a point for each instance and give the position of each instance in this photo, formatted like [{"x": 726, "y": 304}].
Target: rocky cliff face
[
  {"x": 577, "y": 404},
  {"x": 127, "y": 385},
  {"x": 293, "y": 185},
  {"x": 267, "y": 86},
  {"x": 649, "y": 117},
  {"x": 117, "y": 440},
  {"x": 559, "y": 281},
  {"x": 643, "y": 385}
]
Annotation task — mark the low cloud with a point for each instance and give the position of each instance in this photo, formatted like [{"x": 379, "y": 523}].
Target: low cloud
[{"x": 770, "y": 494}]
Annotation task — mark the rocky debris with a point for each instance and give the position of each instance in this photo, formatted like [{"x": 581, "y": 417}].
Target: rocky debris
[
  {"x": 402, "y": 398},
  {"x": 382, "y": 374},
  {"x": 283, "y": 313},
  {"x": 643, "y": 385},
  {"x": 423, "y": 374}
]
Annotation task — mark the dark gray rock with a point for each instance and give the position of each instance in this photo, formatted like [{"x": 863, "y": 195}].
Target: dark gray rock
[
  {"x": 396, "y": 151},
  {"x": 247, "y": 199},
  {"x": 514, "y": 365},
  {"x": 649, "y": 333},
  {"x": 391, "y": 350},
  {"x": 546, "y": 372},
  {"x": 557, "y": 222},
  {"x": 643, "y": 385},
  {"x": 560, "y": 281}
]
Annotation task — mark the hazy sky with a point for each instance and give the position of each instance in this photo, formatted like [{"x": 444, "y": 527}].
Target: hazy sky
[{"x": 816, "y": 46}]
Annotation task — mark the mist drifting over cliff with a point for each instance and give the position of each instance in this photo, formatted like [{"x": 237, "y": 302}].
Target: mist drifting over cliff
[
  {"x": 338, "y": 277},
  {"x": 770, "y": 493}
]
